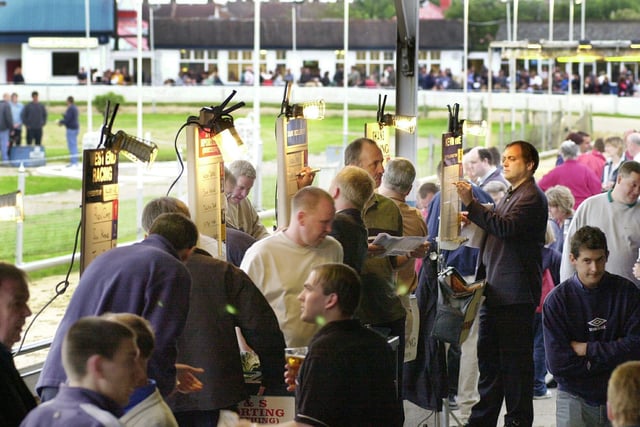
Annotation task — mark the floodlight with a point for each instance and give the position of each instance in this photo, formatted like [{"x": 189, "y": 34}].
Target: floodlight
[
  {"x": 219, "y": 122},
  {"x": 136, "y": 149},
  {"x": 402, "y": 123},
  {"x": 311, "y": 110},
  {"x": 11, "y": 207},
  {"x": 635, "y": 44},
  {"x": 474, "y": 127},
  {"x": 227, "y": 138}
]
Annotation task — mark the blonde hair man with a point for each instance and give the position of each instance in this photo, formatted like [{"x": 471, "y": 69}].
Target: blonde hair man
[{"x": 623, "y": 395}]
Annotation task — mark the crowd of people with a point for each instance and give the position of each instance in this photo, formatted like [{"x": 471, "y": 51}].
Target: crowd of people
[
  {"x": 531, "y": 80},
  {"x": 436, "y": 78},
  {"x": 153, "y": 332}
]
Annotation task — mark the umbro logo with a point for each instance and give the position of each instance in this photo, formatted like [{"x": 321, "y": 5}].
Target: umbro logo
[{"x": 597, "y": 324}]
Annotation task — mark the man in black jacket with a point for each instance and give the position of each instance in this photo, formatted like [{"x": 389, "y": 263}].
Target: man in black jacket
[
  {"x": 511, "y": 261},
  {"x": 16, "y": 399}
]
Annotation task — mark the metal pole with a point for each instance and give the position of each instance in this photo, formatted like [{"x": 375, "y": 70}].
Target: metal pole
[
  {"x": 508, "y": 7},
  {"x": 571, "y": 9},
  {"x": 582, "y": 37},
  {"x": 488, "y": 139},
  {"x": 139, "y": 184},
  {"x": 465, "y": 55},
  {"x": 257, "y": 140},
  {"x": 583, "y": 8},
  {"x": 152, "y": 47},
  {"x": 293, "y": 28},
  {"x": 546, "y": 136},
  {"x": 345, "y": 82},
  {"x": 407, "y": 82},
  {"x": 20, "y": 224},
  {"x": 87, "y": 32},
  {"x": 515, "y": 20}
]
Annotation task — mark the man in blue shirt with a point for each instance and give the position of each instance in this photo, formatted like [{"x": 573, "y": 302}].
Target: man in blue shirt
[{"x": 591, "y": 325}]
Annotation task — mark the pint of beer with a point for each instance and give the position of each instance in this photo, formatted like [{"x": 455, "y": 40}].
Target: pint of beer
[{"x": 294, "y": 357}]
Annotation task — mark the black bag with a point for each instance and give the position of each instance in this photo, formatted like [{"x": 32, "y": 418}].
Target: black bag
[{"x": 458, "y": 303}]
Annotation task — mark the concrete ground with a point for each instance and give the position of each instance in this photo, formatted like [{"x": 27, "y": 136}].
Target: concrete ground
[{"x": 544, "y": 415}]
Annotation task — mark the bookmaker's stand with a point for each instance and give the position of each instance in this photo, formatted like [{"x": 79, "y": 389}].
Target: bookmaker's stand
[{"x": 458, "y": 301}]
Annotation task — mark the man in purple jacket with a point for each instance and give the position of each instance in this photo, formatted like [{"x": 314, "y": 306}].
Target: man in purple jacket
[
  {"x": 148, "y": 279},
  {"x": 591, "y": 324}
]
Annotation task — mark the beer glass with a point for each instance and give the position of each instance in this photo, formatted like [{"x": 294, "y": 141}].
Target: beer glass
[{"x": 294, "y": 357}]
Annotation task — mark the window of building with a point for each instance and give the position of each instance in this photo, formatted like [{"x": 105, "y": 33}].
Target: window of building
[
  {"x": 430, "y": 59},
  {"x": 373, "y": 63},
  {"x": 239, "y": 60},
  {"x": 65, "y": 63},
  {"x": 198, "y": 61}
]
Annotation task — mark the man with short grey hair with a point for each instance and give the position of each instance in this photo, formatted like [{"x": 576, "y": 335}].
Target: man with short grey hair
[
  {"x": 240, "y": 213},
  {"x": 633, "y": 145},
  {"x": 396, "y": 185}
]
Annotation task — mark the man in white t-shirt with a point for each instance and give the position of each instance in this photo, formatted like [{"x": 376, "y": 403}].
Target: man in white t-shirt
[{"x": 279, "y": 264}]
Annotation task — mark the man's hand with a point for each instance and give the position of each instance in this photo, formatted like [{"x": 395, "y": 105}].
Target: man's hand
[
  {"x": 290, "y": 377},
  {"x": 464, "y": 192},
  {"x": 187, "y": 381},
  {"x": 421, "y": 251},
  {"x": 580, "y": 348},
  {"x": 636, "y": 270},
  {"x": 305, "y": 176},
  {"x": 375, "y": 250}
]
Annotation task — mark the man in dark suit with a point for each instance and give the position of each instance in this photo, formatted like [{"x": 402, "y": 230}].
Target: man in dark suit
[{"x": 511, "y": 261}]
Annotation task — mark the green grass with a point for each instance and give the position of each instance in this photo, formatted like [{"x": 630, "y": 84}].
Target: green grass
[{"x": 39, "y": 185}]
